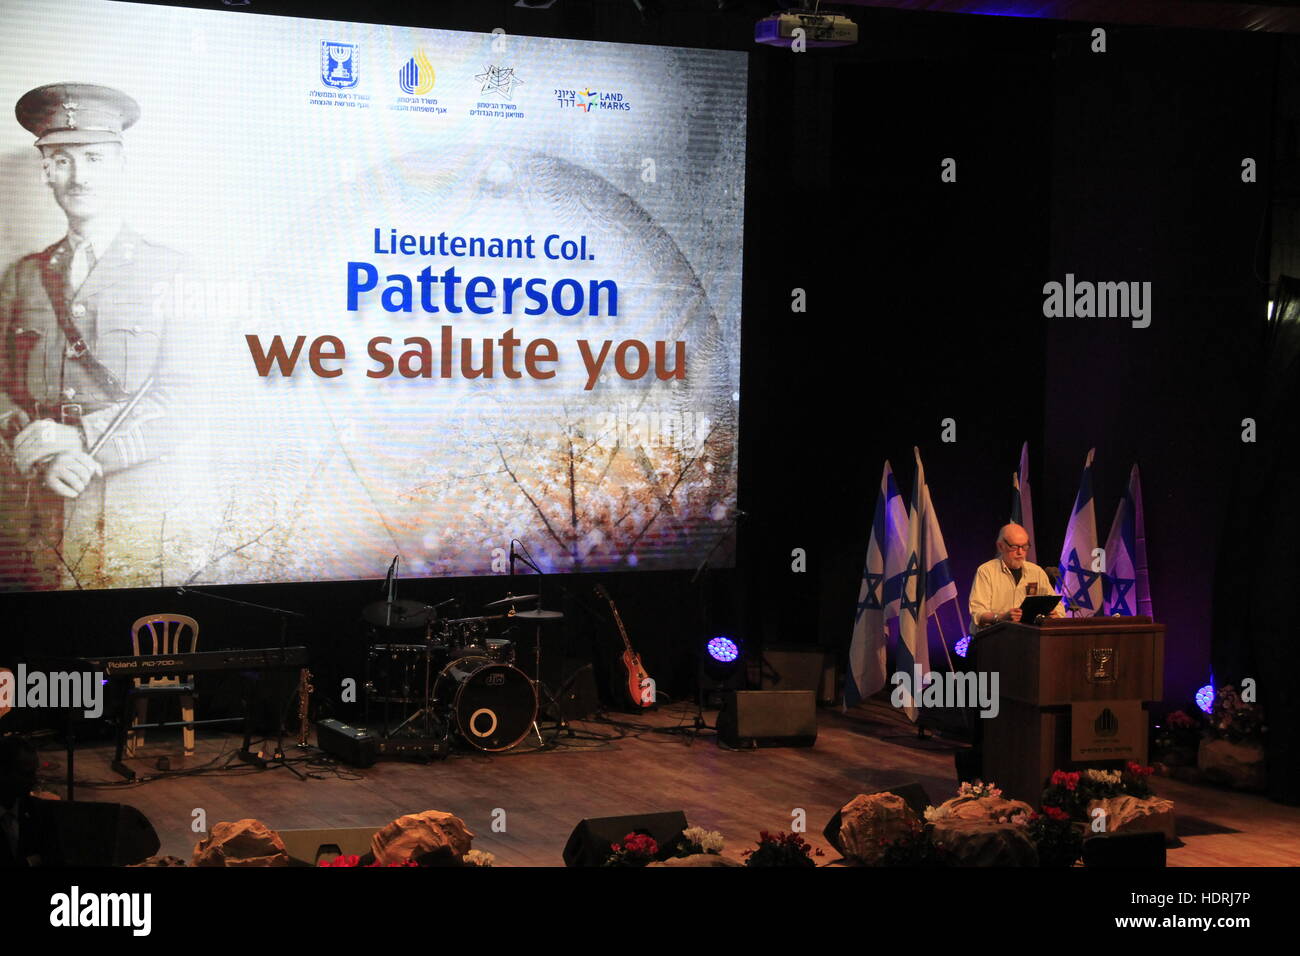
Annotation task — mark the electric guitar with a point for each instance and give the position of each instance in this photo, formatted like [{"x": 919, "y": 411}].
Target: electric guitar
[{"x": 635, "y": 682}]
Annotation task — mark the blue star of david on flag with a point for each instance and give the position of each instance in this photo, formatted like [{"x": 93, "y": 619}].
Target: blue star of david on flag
[
  {"x": 872, "y": 600},
  {"x": 910, "y": 574},
  {"x": 1119, "y": 589},
  {"x": 1083, "y": 577}
]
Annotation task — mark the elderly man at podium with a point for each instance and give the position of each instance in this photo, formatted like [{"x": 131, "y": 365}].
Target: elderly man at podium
[{"x": 1002, "y": 584}]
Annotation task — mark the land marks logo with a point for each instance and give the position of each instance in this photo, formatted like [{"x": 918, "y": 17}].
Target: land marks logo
[
  {"x": 589, "y": 100},
  {"x": 339, "y": 66},
  {"x": 416, "y": 76}
]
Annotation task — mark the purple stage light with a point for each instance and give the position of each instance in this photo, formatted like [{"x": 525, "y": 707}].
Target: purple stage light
[
  {"x": 1205, "y": 698},
  {"x": 723, "y": 650},
  {"x": 962, "y": 646}
]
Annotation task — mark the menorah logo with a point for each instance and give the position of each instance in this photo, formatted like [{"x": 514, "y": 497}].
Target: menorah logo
[{"x": 338, "y": 64}]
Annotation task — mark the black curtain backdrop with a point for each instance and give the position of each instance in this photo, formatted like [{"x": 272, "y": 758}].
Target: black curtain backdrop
[{"x": 1259, "y": 565}]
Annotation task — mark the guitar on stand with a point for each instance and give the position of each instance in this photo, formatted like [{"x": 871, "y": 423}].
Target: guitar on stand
[{"x": 634, "y": 682}]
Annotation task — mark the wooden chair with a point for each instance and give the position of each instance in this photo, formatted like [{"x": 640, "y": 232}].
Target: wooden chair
[{"x": 167, "y": 634}]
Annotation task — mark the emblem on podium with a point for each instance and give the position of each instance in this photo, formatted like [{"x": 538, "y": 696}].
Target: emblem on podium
[{"x": 1101, "y": 665}]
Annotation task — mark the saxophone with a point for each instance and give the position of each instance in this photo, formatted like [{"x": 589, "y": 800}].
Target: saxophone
[{"x": 304, "y": 695}]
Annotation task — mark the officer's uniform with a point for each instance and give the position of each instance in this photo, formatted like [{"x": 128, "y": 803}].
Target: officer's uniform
[{"x": 82, "y": 357}]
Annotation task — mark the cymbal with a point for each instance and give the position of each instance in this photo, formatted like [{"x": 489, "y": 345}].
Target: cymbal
[
  {"x": 539, "y": 616},
  {"x": 398, "y": 614},
  {"x": 513, "y": 599}
]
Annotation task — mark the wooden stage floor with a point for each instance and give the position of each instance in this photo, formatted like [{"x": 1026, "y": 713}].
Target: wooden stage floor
[{"x": 611, "y": 769}]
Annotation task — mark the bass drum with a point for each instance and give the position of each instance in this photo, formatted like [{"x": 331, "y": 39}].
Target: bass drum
[{"x": 492, "y": 705}]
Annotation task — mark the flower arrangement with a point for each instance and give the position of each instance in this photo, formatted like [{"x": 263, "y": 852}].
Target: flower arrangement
[
  {"x": 783, "y": 849},
  {"x": 352, "y": 860},
  {"x": 1071, "y": 792},
  {"x": 978, "y": 789},
  {"x": 479, "y": 858},
  {"x": 637, "y": 849},
  {"x": 696, "y": 840},
  {"x": 917, "y": 848},
  {"x": 1058, "y": 841},
  {"x": 1234, "y": 719}
]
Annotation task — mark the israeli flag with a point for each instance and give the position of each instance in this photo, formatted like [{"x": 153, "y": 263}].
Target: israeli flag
[
  {"x": 1079, "y": 584},
  {"x": 878, "y": 596},
  {"x": 1125, "y": 583},
  {"x": 1022, "y": 503},
  {"x": 930, "y": 615}
]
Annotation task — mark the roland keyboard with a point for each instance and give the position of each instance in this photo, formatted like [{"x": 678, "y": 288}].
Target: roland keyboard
[{"x": 247, "y": 659}]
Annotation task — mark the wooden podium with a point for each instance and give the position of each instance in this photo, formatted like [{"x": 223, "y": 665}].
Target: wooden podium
[{"x": 1071, "y": 696}]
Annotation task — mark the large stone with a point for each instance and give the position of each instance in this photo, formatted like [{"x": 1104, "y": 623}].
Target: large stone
[
  {"x": 868, "y": 820},
  {"x": 1128, "y": 814},
  {"x": 697, "y": 859},
  {"x": 982, "y": 843},
  {"x": 442, "y": 837},
  {"x": 1233, "y": 765},
  {"x": 242, "y": 843},
  {"x": 986, "y": 809}
]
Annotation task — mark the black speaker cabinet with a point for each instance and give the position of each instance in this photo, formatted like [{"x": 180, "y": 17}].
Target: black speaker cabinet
[
  {"x": 768, "y": 718},
  {"x": 590, "y": 840},
  {"x": 355, "y": 746},
  {"x": 1125, "y": 849},
  {"x": 77, "y": 833}
]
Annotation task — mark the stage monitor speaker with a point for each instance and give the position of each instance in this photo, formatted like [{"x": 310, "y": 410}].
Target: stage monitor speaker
[
  {"x": 355, "y": 746},
  {"x": 1125, "y": 849},
  {"x": 309, "y": 847},
  {"x": 577, "y": 696},
  {"x": 913, "y": 795},
  {"x": 768, "y": 718},
  {"x": 799, "y": 667},
  {"x": 590, "y": 840},
  {"x": 94, "y": 834}
]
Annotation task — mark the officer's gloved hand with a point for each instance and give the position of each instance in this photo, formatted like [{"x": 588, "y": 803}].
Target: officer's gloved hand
[
  {"x": 70, "y": 472},
  {"x": 42, "y": 440},
  {"x": 12, "y": 424}
]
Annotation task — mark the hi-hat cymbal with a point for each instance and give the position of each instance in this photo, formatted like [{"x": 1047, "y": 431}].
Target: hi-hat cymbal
[
  {"x": 539, "y": 616},
  {"x": 398, "y": 614},
  {"x": 513, "y": 599}
]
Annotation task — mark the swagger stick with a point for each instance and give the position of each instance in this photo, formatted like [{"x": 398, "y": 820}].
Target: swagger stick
[{"x": 121, "y": 416}]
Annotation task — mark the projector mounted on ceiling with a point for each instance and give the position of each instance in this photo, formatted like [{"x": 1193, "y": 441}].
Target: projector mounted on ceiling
[{"x": 819, "y": 29}]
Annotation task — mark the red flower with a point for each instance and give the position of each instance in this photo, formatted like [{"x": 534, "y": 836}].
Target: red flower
[
  {"x": 1138, "y": 770},
  {"x": 1056, "y": 813},
  {"x": 343, "y": 859}
]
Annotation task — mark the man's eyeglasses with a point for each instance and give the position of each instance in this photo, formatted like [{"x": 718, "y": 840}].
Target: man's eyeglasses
[{"x": 1017, "y": 547}]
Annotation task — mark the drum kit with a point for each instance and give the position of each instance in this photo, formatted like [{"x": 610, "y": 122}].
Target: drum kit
[{"x": 460, "y": 678}]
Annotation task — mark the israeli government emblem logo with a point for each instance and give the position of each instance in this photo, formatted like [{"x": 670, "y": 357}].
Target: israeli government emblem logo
[{"x": 338, "y": 64}]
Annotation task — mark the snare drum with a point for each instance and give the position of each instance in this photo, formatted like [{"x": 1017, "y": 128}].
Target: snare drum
[{"x": 492, "y": 705}]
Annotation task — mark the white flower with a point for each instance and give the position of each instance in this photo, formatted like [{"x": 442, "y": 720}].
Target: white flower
[{"x": 479, "y": 858}]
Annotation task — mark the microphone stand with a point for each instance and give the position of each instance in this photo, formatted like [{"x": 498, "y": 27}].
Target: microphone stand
[{"x": 246, "y": 755}]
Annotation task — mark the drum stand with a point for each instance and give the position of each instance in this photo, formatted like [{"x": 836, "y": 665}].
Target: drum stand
[{"x": 427, "y": 710}]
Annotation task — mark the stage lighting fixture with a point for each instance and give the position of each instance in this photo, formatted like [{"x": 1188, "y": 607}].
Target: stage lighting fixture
[
  {"x": 1205, "y": 698},
  {"x": 721, "y": 668},
  {"x": 962, "y": 647},
  {"x": 723, "y": 650}
]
